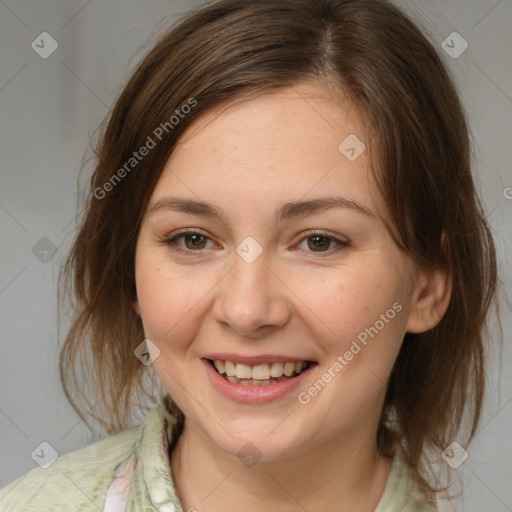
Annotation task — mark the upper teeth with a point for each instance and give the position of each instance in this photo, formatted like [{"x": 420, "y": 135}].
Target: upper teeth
[{"x": 260, "y": 371}]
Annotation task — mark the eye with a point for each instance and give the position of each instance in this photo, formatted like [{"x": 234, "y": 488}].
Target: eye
[
  {"x": 193, "y": 240},
  {"x": 322, "y": 242}
]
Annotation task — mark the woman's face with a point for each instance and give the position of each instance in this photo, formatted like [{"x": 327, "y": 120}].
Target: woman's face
[{"x": 280, "y": 266}]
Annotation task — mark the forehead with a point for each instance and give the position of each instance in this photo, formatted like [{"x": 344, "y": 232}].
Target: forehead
[
  {"x": 275, "y": 147},
  {"x": 304, "y": 112}
]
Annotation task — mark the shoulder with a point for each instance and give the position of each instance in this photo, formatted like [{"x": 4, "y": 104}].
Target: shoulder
[{"x": 80, "y": 477}]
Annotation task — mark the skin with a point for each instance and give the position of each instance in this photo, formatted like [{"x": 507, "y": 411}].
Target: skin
[{"x": 293, "y": 299}]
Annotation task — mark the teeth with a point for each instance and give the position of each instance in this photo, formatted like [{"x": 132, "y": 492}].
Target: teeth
[
  {"x": 219, "y": 365},
  {"x": 259, "y": 374},
  {"x": 289, "y": 368},
  {"x": 230, "y": 368},
  {"x": 253, "y": 382},
  {"x": 276, "y": 370},
  {"x": 243, "y": 371}
]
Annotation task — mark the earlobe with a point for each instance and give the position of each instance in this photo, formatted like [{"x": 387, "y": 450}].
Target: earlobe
[
  {"x": 136, "y": 307},
  {"x": 431, "y": 299}
]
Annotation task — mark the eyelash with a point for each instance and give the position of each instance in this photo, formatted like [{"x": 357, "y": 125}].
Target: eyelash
[{"x": 171, "y": 242}]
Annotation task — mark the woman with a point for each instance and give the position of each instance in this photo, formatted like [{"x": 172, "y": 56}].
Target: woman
[{"x": 283, "y": 225}]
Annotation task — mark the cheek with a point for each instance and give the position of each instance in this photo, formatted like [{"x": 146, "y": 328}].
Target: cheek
[
  {"x": 342, "y": 304},
  {"x": 373, "y": 312},
  {"x": 170, "y": 301}
]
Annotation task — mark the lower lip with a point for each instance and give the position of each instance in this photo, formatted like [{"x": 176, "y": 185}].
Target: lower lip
[{"x": 253, "y": 394}]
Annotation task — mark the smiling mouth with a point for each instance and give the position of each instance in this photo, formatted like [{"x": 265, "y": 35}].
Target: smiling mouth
[{"x": 261, "y": 374}]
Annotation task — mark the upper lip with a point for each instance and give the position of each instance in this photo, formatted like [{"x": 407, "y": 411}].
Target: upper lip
[{"x": 255, "y": 360}]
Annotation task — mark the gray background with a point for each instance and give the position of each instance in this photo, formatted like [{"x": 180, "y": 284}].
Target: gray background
[{"x": 51, "y": 107}]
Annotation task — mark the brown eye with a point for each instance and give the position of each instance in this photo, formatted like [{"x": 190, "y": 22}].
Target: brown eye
[
  {"x": 195, "y": 241},
  {"x": 322, "y": 243},
  {"x": 319, "y": 242},
  {"x": 188, "y": 242}
]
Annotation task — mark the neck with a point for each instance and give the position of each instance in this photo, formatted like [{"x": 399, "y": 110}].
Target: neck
[{"x": 343, "y": 474}]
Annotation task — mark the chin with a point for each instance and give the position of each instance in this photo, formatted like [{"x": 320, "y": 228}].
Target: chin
[{"x": 256, "y": 441}]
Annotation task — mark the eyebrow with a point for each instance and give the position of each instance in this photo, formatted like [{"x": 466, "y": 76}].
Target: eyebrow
[{"x": 287, "y": 211}]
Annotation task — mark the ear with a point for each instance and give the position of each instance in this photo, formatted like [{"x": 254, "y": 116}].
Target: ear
[
  {"x": 136, "y": 307},
  {"x": 430, "y": 300}
]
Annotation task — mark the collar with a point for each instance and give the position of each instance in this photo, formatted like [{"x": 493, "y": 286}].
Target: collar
[{"x": 152, "y": 482}]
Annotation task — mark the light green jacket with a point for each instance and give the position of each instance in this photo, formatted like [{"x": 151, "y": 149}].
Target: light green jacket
[{"x": 130, "y": 472}]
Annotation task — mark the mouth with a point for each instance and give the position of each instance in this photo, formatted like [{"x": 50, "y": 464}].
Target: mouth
[{"x": 261, "y": 374}]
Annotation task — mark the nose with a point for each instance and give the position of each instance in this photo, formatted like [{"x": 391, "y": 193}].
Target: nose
[{"x": 252, "y": 298}]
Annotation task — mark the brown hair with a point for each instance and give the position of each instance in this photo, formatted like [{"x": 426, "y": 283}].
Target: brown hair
[{"x": 369, "y": 50}]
